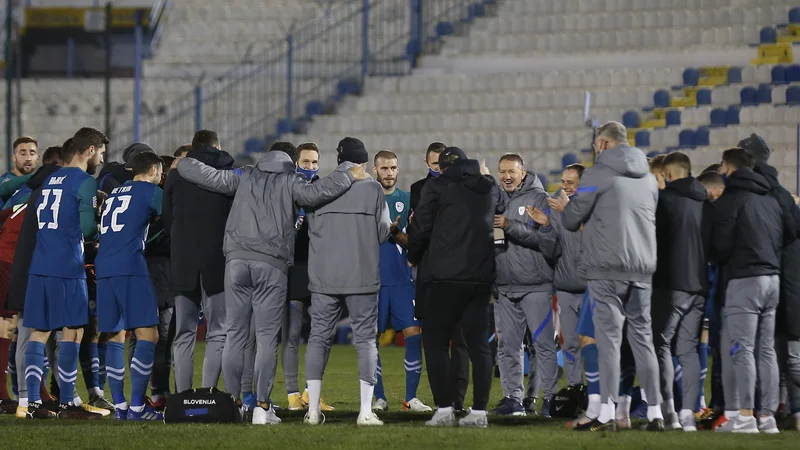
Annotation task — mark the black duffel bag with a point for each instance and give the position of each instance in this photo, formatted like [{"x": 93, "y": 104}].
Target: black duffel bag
[
  {"x": 569, "y": 402},
  {"x": 206, "y": 405}
]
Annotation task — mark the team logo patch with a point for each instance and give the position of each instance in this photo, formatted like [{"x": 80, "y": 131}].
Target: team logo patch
[
  {"x": 399, "y": 206},
  {"x": 521, "y": 210}
]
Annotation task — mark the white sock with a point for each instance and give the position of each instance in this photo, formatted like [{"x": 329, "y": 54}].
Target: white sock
[
  {"x": 606, "y": 412},
  {"x": 644, "y": 397},
  {"x": 366, "y": 397},
  {"x": 685, "y": 414},
  {"x": 314, "y": 392},
  {"x": 137, "y": 408},
  {"x": 123, "y": 405},
  {"x": 96, "y": 392},
  {"x": 654, "y": 412},
  {"x": 703, "y": 402},
  {"x": 593, "y": 410},
  {"x": 448, "y": 410},
  {"x": 477, "y": 412},
  {"x": 77, "y": 401},
  {"x": 23, "y": 402},
  {"x": 731, "y": 414},
  {"x": 624, "y": 407}
]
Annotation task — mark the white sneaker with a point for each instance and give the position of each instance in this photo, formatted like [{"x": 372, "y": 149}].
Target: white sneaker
[
  {"x": 474, "y": 420},
  {"x": 442, "y": 419},
  {"x": 414, "y": 405},
  {"x": 368, "y": 419},
  {"x": 768, "y": 425},
  {"x": 671, "y": 421},
  {"x": 688, "y": 423},
  {"x": 743, "y": 424},
  {"x": 263, "y": 416},
  {"x": 314, "y": 418},
  {"x": 380, "y": 405}
]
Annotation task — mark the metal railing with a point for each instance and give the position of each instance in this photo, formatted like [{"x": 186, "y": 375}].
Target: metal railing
[{"x": 316, "y": 65}]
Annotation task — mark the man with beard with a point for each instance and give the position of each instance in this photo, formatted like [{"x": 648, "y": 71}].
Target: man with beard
[
  {"x": 396, "y": 298},
  {"x": 25, "y": 158},
  {"x": 56, "y": 296}
]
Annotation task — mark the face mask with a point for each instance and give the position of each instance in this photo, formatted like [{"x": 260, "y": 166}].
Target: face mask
[
  {"x": 433, "y": 172},
  {"x": 725, "y": 179},
  {"x": 308, "y": 173}
]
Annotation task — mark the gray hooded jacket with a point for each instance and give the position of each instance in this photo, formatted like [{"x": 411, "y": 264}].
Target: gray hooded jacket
[
  {"x": 521, "y": 266},
  {"x": 344, "y": 241},
  {"x": 267, "y": 199},
  {"x": 564, "y": 247},
  {"x": 616, "y": 202}
]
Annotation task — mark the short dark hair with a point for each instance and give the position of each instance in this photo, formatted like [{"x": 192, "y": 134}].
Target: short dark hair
[
  {"x": 52, "y": 154},
  {"x": 24, "y": 140},
  {"x": 85, "y": 137},
  {"x": 656, "y": 162},
  {"x": 710, "y": 179},
  {"x": 712, "y": 168},
  {"x": 384, "y": 154},
  {"x": 738, "y": 158},
  {"x": 680, "y": 160},
  {"x": 166, "y": 162},
  {"x": 205, "y": 137},
  {"x": 577, "y": 168},
  {"x": 182, "y": 150},
  {"x": 435, "y": 147},
  {"x": 307, "y": 146},
  {"x": 141, "y": 163},
  {"x": 514, "y": 157},
  {"x": 285, "y": 147}
]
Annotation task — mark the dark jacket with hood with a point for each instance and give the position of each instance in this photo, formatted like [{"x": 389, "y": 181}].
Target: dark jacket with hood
[
  {"x": 683, "y": 232},
  {"x": 416, "y": 191},
  {"x": 194, "y": 218},
  {"x": 748, "y": 228},
  {"x": 26, "y": 242},
  {"x": 113, "y": 175},
  {"x": 452, "y": 229},
  {"x": 298, "y": 273}
]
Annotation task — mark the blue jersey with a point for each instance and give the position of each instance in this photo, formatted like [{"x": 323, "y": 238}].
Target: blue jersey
[
  {"x": 65, "y": 211},
  {"x": 123, "y": 229},
  {"x": 394, "y": 259}
]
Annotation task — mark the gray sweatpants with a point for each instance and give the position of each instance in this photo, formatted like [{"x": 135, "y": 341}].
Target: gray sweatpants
[
  {"x": 290, "y": 339},
  {"x": 325, "y": 312},
  {"x": 255, "y": 293},
  {"x": 789, "y": 363},
  {"x": 23, "y": 337},
  {"x": 186, "y": 313},
  {"x": 249, "y": 367},
  {"x": 749, "y": 311},
  {"x": 677, "y": 317},
  {"x": 513, "y": 317},
  {"x": 729, "y": 392},
  {"x": 569, "y": 307},
  {"x": 616, "y": 303}
]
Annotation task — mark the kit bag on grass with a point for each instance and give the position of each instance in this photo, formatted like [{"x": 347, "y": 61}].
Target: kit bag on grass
[
  {"x": 206, "y": 405},
  {"x": 569, "y": 402}
]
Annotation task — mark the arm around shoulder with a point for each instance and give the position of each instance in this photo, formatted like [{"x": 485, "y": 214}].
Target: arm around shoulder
[{"x": 216, "y": 180}]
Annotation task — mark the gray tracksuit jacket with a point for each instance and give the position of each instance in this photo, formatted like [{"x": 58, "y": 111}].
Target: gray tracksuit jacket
[
  {"x": 267, "y": 199},
  {"x": 564, "y": 247},
  {"x": 521, "y": 266},
  {"x": 616, "y": 202},
  {"x": 344, "y": 241}
]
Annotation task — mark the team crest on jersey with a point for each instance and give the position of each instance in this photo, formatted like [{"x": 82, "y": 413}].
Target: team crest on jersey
[
  {"x": 521, "y": 210},
  {"x": 399, "y": 206}
]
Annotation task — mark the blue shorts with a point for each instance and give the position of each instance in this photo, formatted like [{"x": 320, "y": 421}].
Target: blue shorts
[
  {"x": 52, "y": 303},
  {"x": 396, "y": 302},
  {"x": 126, "y": 303},
  {"x": 585, "y": 324}
]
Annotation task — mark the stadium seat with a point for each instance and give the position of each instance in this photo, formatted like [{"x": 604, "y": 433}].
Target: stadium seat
[
  {"x": 631, "y": 119},
  {"x": 661, "y": 98},
  {"x": 569, "y": 158},
  {"x": 703, "y": 96},
  {"x": 768, "y": 35},
  {"x": 673, "y": 117},
  {"x": 793, "y": 95},
  {"x": 732, "y": 115},
  {"x": 734, "y": 75},
  {"x": 686, "y": 139},
  {"x": 701, "y": 137},
  {"x": 652, "y": 154},
  {"x": 476, "y": 10},
  {"x": 764, "y": 94},
  {"x": 285, "y": 126},
  {"x": 792, "y": 73},
  {"x": 254, "y": 145},
  {"x": 794, "y": 15},
  {"x": 748, "y": 96},
  {"x": 691, "y": 76},
  {"x": 445, "y": 29},
  {"x": 718, "y": 117},
  {"x": 314, "y": 108},
  {"x": 778, "y": 75}
]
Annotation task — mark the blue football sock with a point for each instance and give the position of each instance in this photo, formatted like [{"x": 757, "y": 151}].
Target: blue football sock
[
  {"x": 115, "y": 368},
  {"x": 413, "y": 363},
  {"x": 591, "y": 366},
  {"x": 12, "y": 368},
  {"x": 678, "y": 384},
  {"x": 141, "y": 367},
  {"x": 702, "y": 350},
  {"x": 379, "y": 393},
  {"x": 34, "y": 361},
  {"x": 101, "y": 373},
  {"x": 250, "y": 399},
  {"x": 46, "y": 370},
  {"x": 67, "y": 370},
  {"x": 90, "y": 365}
]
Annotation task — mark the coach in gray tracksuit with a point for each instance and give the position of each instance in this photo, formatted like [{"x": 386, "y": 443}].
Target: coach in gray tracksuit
[
  {"x": 524, "y": 285},
  {"x": 616, "y": 203},
  {"x": 343, "y": 258},
  {"x": 259, "y": 248}
]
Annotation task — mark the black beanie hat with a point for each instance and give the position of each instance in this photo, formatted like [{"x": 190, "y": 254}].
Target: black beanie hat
[
  {"x": 351, "y": 150},
  {"x": 756, "y": 147},
  {"x": 134, "y": 149},
  {"x": 451, "y": 156}
]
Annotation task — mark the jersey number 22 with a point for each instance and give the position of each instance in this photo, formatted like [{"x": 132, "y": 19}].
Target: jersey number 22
[{"x": 124, "y": 201}]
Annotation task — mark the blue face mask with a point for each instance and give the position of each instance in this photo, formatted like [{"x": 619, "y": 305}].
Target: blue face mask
[
  {"x": 433, "y": 172},
  {"x": 308, "y": 173},
  {"x": 725, "y": 179}
]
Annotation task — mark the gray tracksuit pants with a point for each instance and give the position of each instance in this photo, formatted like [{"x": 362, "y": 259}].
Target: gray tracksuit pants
[
  {"x": 677, "y": 317},
  {"x": 325, "y": 312},
  {"x": 23, "y": 337},
  {"x": 618, "y": 302},
  {"x": 749, "y": 311},
  {"x": 569, "y": 307},
  {"x": 292, "y": 325},
  {"x": 512, "y": 317},
  {"x": 789, "y": 363},
  {"x": 249, "y": 365},
  {"x": 255, "y": 293},
  {"x": 187, "y": 311},
  {"x": 729, "y": 392}
]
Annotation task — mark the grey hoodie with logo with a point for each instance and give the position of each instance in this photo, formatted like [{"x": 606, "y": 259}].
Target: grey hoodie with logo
[{"x": 616, "y": 203}]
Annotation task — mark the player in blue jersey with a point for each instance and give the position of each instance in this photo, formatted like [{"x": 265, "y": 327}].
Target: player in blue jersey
[
  {"x": 396, "y": 299},
  {"x": 126, "y": 298},
  {"x": 56, "y": 297}
]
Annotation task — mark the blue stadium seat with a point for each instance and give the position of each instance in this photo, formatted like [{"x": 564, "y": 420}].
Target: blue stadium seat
[
  {"x": 778, "y": 75},
  {"x": 631, "y": 119},
  {"x": 348, "y": 86},
  {"x": 718, "y": 117},
  {"x": 792, "y": 73},
  {"x": 686, "y": 139},
  {"x": 793, "y": 95},
  {"x": 661, "y": 98},
  {"x": 569, "y": 158},
  {"x": 542, "y": 178},
  {"x": 764, "y": 94},
  {"x": 701, "y": 137},
  {"x": 643, "y": 138},
  {"x": 445, "y": 29},
  {"x": 673, "y": 117},
  {"x": 652, "y": 154},
  {"x": 748, "y": 96},
  {"x": 768, "y": 35},
  {"x": 691, "y": 76},
  {"x": 314, "y": 108},
  {"x": 285, "y": 126},
  {"x": 254, "y": 145},
  {"x": 732, "y": 115},
  {"x": 703, "y": 96},
  {"x": 794, "y": 15},
  {"x": 734, "y": 75},
  {"x": 476, "y": 10}
]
